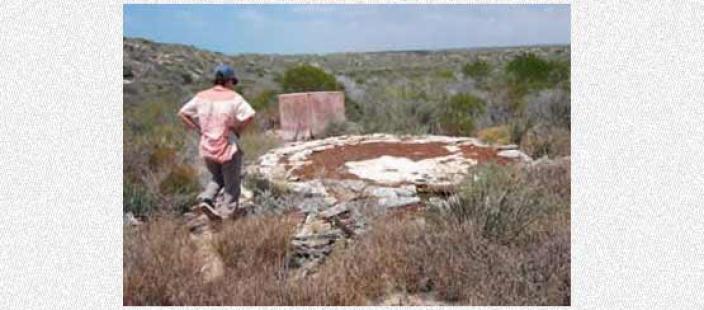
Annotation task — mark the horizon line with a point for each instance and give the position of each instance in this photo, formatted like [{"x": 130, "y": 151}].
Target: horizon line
[{"x": 352, "y": 52}]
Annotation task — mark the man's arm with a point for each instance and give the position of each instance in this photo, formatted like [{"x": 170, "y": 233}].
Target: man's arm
[
  {"x": 242, "y": 125},
  {"x": 186, "y": 114},
  {"x": 188, "y": 121}
]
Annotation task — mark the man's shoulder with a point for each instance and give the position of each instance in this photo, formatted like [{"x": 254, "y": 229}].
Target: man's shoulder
[{"x": 217, "y": 94}]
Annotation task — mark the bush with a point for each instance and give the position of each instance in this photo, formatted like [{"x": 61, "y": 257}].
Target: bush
[
  {"x": 341, "y": 128},
  {"x": 305, "y": 78},
  {"x": 137, "y": 199},
  {"x": 518, "y": 127},
  {"x": 163, "y": 266},
  {"x": 529, "y": 69},
  {"x": 263, "y": 100},
  {"x": 499, "y": 200},
  {"x": 495, "y": 135},
  {"x": 445, "y": 74},
  {"x": 180, "y": 179},
  {"x": 458, "y": 114},
  {"x": 255, "y": 144},
  {"x": 547, "y": 141},
  {"x": 477, "y": 69},
  {"x": 550, "y": 107}
]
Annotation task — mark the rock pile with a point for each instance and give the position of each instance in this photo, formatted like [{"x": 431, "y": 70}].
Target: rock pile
[{"x": 317, "y": 235}]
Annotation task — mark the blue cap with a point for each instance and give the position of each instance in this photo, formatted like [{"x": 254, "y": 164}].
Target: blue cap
[{"x": 225, "y": 72}]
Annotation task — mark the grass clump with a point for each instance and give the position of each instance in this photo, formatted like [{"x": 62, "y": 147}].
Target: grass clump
[
  {"x": 500, "y": 201},
  {"x": 255, "y": 143},
  {"x": 477, "y": 69},
  {"x": 137, "y": 200}
]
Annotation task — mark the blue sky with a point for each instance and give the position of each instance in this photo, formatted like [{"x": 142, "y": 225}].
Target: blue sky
[{"x": 302, "y": 29}]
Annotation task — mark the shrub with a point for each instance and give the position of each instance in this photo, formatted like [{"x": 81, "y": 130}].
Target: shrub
[
  {"x": 500, "y": 201},
  {"x": 137, "y": 199},
  {"x": 551, "y": 107},
  {"x": 162, "y": 156},
  {"x": 353, "y": 109},
  {"x": 495, "y": 135},
  {"x": 445, "y": 74},
  {"x": 305, "y": 77},
  {"x": 255, "y": 144},
  {"x": 181, "y": 179},
  {"x": 160, "y": 264},
  {"x": 518, "y": 127},
  {"x": 458, "y": 114},
  {"x": 452, "y": 261},
  {"x": 560, "y": 73},
  {"x": 529, "y": 69},
  {"x": 477, "y": 69},
  {"x": 263, "y": 100},
  {"x": 547, "y": 141},
  {"x": 341, "y": 128}
]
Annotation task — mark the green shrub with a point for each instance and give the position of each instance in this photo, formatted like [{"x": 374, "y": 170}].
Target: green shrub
[
  {"x": 263, "y": 100},
  {"x": 137, "y": 199},
  {"x": 353, "y": 109},
  {"x": 530, "y": 72},
  {"x": 560, "y": 73},
  {"x": 518, "y": 127},
  {"x": 495, "y": 135},
  {"x": 458, "y": 114},
  {"x": 529, "y": 69},
  {"x": 445, "y": 74},
  {"x": 305, "y": 77},
  {"x": 477, "y": 69},
  {"x": 500, "y": 200}
]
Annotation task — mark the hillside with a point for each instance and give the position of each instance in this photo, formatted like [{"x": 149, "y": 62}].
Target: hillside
[{"x": 411, "y": 78}]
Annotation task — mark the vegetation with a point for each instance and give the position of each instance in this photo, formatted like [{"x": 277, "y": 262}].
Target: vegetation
[
  {"x": 307, "y": 78},
  {"x": 458, "y": 114},
  {"x": 504, "y": 238},
  {"x": 527, "y": 95},
  {"x": 495, "y": 135},
  {"x": 482, "y": 250},
  {"x": 477, "y": 69}
]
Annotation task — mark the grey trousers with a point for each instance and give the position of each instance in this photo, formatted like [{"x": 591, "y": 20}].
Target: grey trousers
[{"x": 226, "y": 176}]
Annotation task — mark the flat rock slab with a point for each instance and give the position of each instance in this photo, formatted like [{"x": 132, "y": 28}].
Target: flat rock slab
[{"x": 381, "y": 160}]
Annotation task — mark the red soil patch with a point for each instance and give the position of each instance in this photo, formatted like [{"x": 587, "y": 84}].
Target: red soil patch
[
  {"x": 329, "y": 163},
  {"x": 482, "y": 154}
]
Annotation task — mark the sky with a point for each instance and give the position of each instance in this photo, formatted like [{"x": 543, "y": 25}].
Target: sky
[{"x": 320, "y": 29}]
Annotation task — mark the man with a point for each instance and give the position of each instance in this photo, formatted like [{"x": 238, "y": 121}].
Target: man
[{"x": 217, "y": 114}]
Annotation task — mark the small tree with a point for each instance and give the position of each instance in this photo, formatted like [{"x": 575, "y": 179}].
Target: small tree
[
  {"x": 458, "y": 114},
  {"x": 305, "y": 77}
]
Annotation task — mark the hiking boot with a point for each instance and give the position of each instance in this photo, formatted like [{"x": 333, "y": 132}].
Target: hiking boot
[
  {"x": 208, "y": 210},
  {"x": 209, "y": 202}
]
